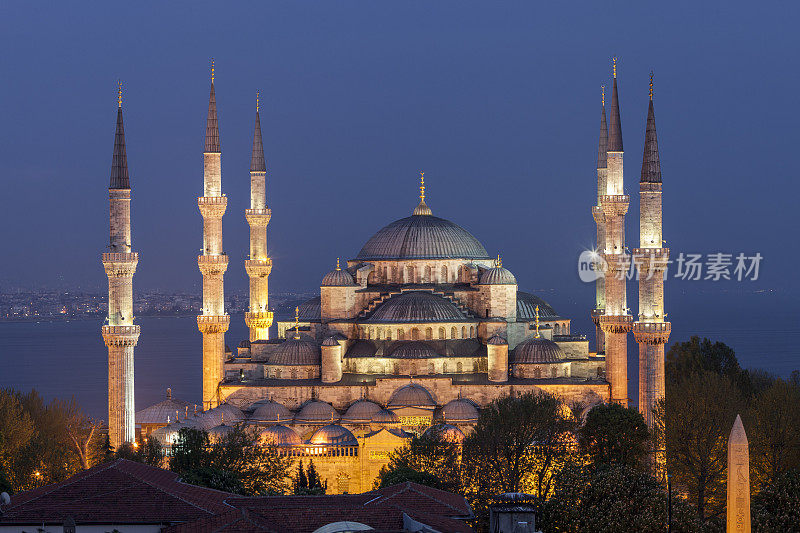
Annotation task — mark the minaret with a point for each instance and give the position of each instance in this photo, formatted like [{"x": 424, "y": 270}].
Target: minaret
[
  {"x": 214, "y": 322},
  {"x": 616, "y": 321},
  {"x": 120, "y": 334},
  {"x": 651, "y": 331},
  {"x": 599, "y": 218},
  {"x": 258, "y": 267}
]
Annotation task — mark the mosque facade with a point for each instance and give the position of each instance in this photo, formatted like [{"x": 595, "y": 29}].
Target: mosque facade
[{"x": 416, "y": 332}]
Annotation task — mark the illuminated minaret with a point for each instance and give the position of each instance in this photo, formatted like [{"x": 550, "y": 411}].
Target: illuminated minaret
[
  {"x": 616, "y": 321},
  {"x": 258, "y": 267},
  {"x": 214, "y": 322},
  {"x": 599, "y": 218},
  {"x": 120, "y": 334},
  {"x": 651, "y": 331}
]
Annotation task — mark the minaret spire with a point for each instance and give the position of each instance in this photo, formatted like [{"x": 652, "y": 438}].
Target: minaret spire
[
  {"x": 651, "y": 164},
  {"x": 212, "y": 128},
  {"x": 602, "y": 146},
  {"x": 615, "y": 133},
  {"x": 259, "y": 265},
  {"x": 120, "y": 334},
  {"x": 599, "y": 218}
]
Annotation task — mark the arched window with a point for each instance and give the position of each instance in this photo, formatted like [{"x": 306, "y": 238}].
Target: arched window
[
  {"x": 537, "y": 372},
  {"x": 463, "y": 332},
  {"x": 371, "y": 333},
  {"x": 278, "y": 373},
  {"x": 388, "y": 334},
  {"x": 394, "y": 273},
  {"x": 428, "y": 278},
  {"x": 414, "y": 334},
  {"x": 599, "y": 372},
  {"x": 444, "y": 367},
  {"x": 557, "y": 329},
  {"x": 294, "y": 373},
  {"x": 432, "y": 369},
  {"x": 453, "y": 333},
  {"x": 310, "y": 374},
  {"x": 554, "y": 372},
  {"x": 566, "y": 372},
  {"x": 441, "y": 333},
  {"x": 379, "y": 333},
  {"x": 397, "y": 368},
  {"x": 444, "y": 274},
  {"x": 475, "y": 366},
  {"x": 471, "y": 331},
  {"x": 459, "y": 368},
  {"x": 343, "y": 484},
  {"x": 401, "y": 335},
  {"x": 428, "y": 333},
  {"x": 410, "y": 275}
]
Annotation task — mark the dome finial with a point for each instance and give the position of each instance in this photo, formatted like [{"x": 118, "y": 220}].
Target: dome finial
[
  {"x": 297, "y": 322},
  {"x": 603, "y": 94},
  {"x": 498, "y": 263},
  {"x": 422, "y": 208},
  {"x": 615, "y": 66},
  {"x": 119, "y": 93},
  {"x": 258, "y": 101},
  {"x": 337, "y": 264},
  {"x": 651, "y": 85},
  {"x": 421, "y": 186},
  {"x": 212, "y": 70},
  {"x": 537, "y": 321}
]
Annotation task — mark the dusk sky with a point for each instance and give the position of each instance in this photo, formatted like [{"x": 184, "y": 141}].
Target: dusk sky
[{"x": 499, "y": 106}]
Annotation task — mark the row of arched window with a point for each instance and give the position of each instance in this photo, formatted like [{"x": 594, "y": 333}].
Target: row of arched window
[
  {"x": 418, "y": 274},
  {"x": 397, "y": 333},
  {"x": 394, "y": 368},
  {"x": 292, "y": 373}
]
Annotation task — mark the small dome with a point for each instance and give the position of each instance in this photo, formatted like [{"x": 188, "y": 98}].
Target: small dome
[
  {"x": 417, "y": 306},
  {"x": 460, "y": 411},
  {"x": 333, "y": 435},
  {"x": 244, "y": 344},
  {"x": 338, "y": 278},
  {"x": 217, "y": 433},
  {"x": 280, "y": 435},
  {"x": 224, "y": 412},
  {"x": 315, "y": 412},
  {"x": 361, "y": 411},
  {"x": 496, "y": 340},
  {"x": 270, "y": 411},
  {"x": 526, "y": 307},
  {"x": 413, "y": 350},
  {"x": 412, "y": 395},
  {"x": 330, "y": 340},
  {"x": 445, "y": 432},
  {"x": 310, "y": 310},
  {"x": 537, "y": 350},
  {"x": 294, "y": 351},
  {"x": 384, "y": 416},
  {"x": 497, "y": 276}
]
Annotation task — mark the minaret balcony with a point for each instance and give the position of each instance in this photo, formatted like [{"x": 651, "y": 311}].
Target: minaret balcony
[
  {"x": 595, "y": 315},
  {"x": 258, "y": 217},
  {"x": 261, "y": 320},
  {"x": 210, "y": 265},
  {"x": 646, "y": 186},
  {"x": 118, "y": 265},
  {"x": 616, "y": 323},
  {"x": 213, "y": 323},
  {"x": 258, "y": 268},
  {"x": 597, "y": 214},
  {"x": 121, "y": 335},
  {"x": 615, "y": 204},
  {"x": 650, "y": 261},
  {"x": 212, "y": 206},
  {"x": 653, "y": 333}
]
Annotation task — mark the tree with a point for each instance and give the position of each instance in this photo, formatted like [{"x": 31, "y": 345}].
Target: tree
[
  {"x": 257, "y": 469},
  {"x": 694, "y": 356},
  {"x": 611, "y": 499},
  {"x": 426, "y": 458},
  {"x": 614, "y": 435},
  {"x": 307, "y": 482},
  {"x": 699, "y": 411},
  {"x": 16, "y": 432},
  {"x": 777, "y": 506},
  {"x": 773, "y": 429}
]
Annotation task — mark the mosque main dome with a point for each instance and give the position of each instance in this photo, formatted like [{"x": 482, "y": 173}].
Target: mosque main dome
[{"x": 422, "y": 237}]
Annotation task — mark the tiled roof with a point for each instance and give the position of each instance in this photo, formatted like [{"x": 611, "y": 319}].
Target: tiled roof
[{"x": 118, "y": 492}]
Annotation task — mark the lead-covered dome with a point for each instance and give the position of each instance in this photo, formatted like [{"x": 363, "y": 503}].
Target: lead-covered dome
[
  {"x": 270, "y": 411},
  {"x": 338, "y": 278},
  {"x": 526, "y": 307},
  {"x": 460, "y": 410},
  {"x": 315, "y": 411},
  {"x": 296, "y": 351},
  {"x": 361, "y": 411},
  {"x": 413, "y": 350},
  {"x": 412, "y": 395},
  {"x": 445, "y": 432},
  {"x": 417, "y": 306},
  {"x": 422, "y": 236},
  {"x": 280, "y": 435},
  {"x": 537, "y": 350},
  {"x": 497, "y": 275},
  {"x": 333, "y": 435}
]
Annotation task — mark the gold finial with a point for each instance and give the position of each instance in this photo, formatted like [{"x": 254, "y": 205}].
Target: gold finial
[
  {"x": 119, "y": 93},
  {"x": 603, "y": 89},
  {"x": 615, "y": 67},
  {"x": 297, "y": 322},
  {"x": 651, "y": 85},
  {"x": 537, "y": 321},
  {"x": 337, "y": 264},
  {"x": 498, "y": 262},
  {"x": 422, "y": 186},
  {"x": 258, "y": 101},
  {"x": 212, "y": 70}
]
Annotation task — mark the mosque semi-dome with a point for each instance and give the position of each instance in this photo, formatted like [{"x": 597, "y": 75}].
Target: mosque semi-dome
[
  {"x": 413, "y": 350},
  {"x": 412, "y": 395},
  {"x": 315, "y": 411},
  {"x": 417, "y": 306},
  {"x": 385, "y": 416},
  {"x": 296, "y": 351},
  {"x": 422, "y": 236},
  {"x": 537, "y": 350},
  {"x": 361, "y": 411}
]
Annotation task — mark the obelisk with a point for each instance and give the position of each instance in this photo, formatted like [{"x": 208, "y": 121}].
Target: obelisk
[{"x": 738, "y": 480}]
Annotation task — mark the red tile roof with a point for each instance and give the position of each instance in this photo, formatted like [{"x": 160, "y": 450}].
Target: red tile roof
[{"x": 121, "y": 491}]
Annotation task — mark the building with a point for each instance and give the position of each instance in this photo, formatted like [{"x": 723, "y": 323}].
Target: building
[
  {"x": 421, "y": 328},
  {"x": 132, "y": 497}
]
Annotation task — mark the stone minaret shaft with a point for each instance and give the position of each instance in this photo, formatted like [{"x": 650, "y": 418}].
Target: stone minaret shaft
[
  {"x": 651, "y": 331},
  {"x": 214, "y": 322},
  {"x": 258, "y": 267},
  {"x": 120, "y": 334},
  {"x": 616, "y": 320},
  {"x": 599, "y": 218}
]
